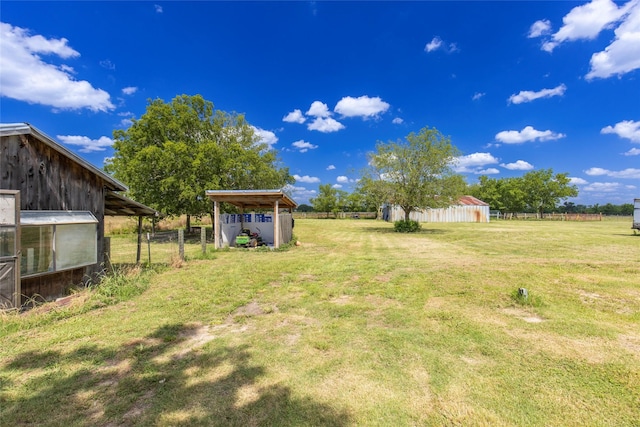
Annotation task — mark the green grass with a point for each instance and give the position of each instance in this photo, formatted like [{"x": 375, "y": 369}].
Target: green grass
[{"x": 357, "y": 326}]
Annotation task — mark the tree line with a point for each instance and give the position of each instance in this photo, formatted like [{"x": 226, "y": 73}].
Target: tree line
[{"x": 177, "y": 150}]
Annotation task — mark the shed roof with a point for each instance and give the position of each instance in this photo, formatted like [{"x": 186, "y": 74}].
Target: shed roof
[
  {"x": 472, "y": 201},
  {"x": 118, "y": 205},
  {"x": 115, "y": 204},
  {"x": 256, "y": 199},
  {"x": 9, "y": 129}
]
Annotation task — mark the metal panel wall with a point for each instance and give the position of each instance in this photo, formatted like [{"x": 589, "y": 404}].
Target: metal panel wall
[{"x": 450, "y": 214}]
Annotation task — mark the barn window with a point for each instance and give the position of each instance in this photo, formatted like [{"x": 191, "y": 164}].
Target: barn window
[{"x": 57, "y": 240}]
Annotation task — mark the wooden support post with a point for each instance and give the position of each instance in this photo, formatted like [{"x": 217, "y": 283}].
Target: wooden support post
[
  {"x": 276, "y": 225},
  {"x": 203, "y": 239},
  {"x": 181, "y": 243},
  {"x": 216, "y": 224},
  {"x": 139, "y": 239}
]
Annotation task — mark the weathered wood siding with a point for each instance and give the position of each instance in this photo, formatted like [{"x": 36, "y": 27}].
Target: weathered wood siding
[{"x": 48, "y": 180}]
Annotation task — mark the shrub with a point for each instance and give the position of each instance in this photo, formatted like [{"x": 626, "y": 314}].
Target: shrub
[{"x": 406, "y": 226}]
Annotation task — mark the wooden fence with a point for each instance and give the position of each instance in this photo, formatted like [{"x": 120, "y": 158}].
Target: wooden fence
[
  {"x": 338, "y": 215},
  {"x": 551, "y": 216}
]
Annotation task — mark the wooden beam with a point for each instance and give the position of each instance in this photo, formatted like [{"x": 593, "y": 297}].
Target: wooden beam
[
  {"x": 276, "y": 225},
  {"x": 139, "y": 239},
  {"x": 216, "y": 224}
]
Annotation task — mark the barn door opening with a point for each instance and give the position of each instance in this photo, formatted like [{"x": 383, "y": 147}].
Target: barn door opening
[{"x": 9, "y": 249}]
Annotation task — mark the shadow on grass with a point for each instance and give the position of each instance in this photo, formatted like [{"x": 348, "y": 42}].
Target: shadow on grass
[
  {"x": 390, "y": 230},
  {"x": 159, "y": 379}
]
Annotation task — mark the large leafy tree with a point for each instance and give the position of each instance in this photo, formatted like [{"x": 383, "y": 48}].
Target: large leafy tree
[
  {"x": 176, "y": 151},
  {"x": 329, "y": 199},
  {"x": 543, "y": 190},
  {"x": 537, "y": 191},
  {"x": 414, "y": 173}
]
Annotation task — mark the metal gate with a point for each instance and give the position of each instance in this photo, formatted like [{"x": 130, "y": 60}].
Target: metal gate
[{"x": 9, "y": 249}]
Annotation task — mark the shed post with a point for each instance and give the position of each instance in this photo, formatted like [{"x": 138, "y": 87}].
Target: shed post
[
  {"x": 276, "y": 225},
  {"x": 139, "y": 239},
  {"x": 216, "y": 224}
]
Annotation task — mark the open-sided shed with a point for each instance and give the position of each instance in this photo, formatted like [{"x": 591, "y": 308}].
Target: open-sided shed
[
  {"x": 273, "y": 200},
  {"x": 52, "y": 226}
]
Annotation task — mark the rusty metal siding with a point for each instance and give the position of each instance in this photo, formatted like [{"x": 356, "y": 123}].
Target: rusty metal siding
[{"x": 458, "y": 213}]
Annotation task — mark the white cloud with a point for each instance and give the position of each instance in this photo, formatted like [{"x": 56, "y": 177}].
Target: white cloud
[
  {"x": 577, "y": 181},
  {"x": 362, "y": 106},
  {"x": 586, "y": 21},
  {"x": 476, "y": 96},
  {"x": 342, "y": 179},
  {"x": 300, "y": 194},
  {"x": 266, "y": 136},
  {"x": 129, "y": 90},
  {"x": 397, "y": 121},
  {"x": 602, "y": 187},
  {"x": 304, "y": 146},
  {"x": 295, "y": 116},
  {"x": 434, "y": 44},
  {"x": 307, "y": 179},
  {"x": 539, "y": 28},
  {"x": 437, "y": 43},
  {"x": 528, "y": 95},
  {"x": 325, "y": 125},
  {"x": 623, "y": 54},
  {"x": 473, "y": 163},
  {"x": 525, "y": 135},
  {"x": 625, "y": 129},
  {"x": 519, "y": 165},
  {"x": 336, "y": 186},
  {"x": 87, "y": 144},
  {"x": 105, "y": 63},
  {"x": 330, "y": 167},
  {"x": 633, "y": 152},
  {"x": 489, "y": 171},
  {"x": 629, "y": 173},
  {"x": 25, "y": 76},
  {"x": 318, "y": 109}
]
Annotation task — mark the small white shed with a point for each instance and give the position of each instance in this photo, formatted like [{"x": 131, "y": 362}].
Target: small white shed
[
  {"x": 468, "y": 209},
  {"x": 280, "y": 224}
]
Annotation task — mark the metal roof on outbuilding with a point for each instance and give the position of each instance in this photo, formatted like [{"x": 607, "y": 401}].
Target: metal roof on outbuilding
[
  {"x": 253, "y": 199},
  {"x": 471, "y": 201}
]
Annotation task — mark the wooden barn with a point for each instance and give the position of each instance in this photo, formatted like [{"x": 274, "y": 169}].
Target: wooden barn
[{"x": 52, "y": 209}]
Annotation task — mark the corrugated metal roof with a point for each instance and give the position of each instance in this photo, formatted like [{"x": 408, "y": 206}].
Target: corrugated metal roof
[
  {"x": 10, "y": 129},
  {"x": 472, "y": 201},
  {"x": 252, "y": 198}
]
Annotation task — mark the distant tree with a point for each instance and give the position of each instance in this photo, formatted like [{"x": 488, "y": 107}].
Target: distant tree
[
  {"x": 415, "y": 173},
  {"x": 327, "y": 199},
  {"x": 178, "y": 150},
  {"x": 304, "y": 208},
  {"x": 535, "y": 191},
  {"x": 543, "y": 190}
]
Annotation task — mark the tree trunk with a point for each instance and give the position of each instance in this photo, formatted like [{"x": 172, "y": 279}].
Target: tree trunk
[
  {"x": 188, "y": 223},
  {"x": 407, "y": 213}
]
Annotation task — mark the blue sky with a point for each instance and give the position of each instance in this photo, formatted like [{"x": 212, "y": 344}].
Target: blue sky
[{"x": 517, "y": 86}]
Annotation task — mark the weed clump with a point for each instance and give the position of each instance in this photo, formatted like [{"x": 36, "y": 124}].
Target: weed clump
[{"x": 524, "y": 297}]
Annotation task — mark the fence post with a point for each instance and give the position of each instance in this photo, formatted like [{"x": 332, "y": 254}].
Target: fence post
[
  {"x": 203, "y": 239},
  {"x": 181, "y": 243}
]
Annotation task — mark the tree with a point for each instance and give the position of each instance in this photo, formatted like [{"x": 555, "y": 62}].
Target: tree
[
  {"x": 304, "y": 208},
  {"x": 176, "y": 151},
  {"x": 329, "y": 199},
  {"x": 536, "y": 191},
  {"x": 543, "y": 190},
  {"x": 415, "y": 173}
]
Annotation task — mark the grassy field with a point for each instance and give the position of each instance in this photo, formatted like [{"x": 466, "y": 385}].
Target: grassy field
[{"x": 357, "y": 326}]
